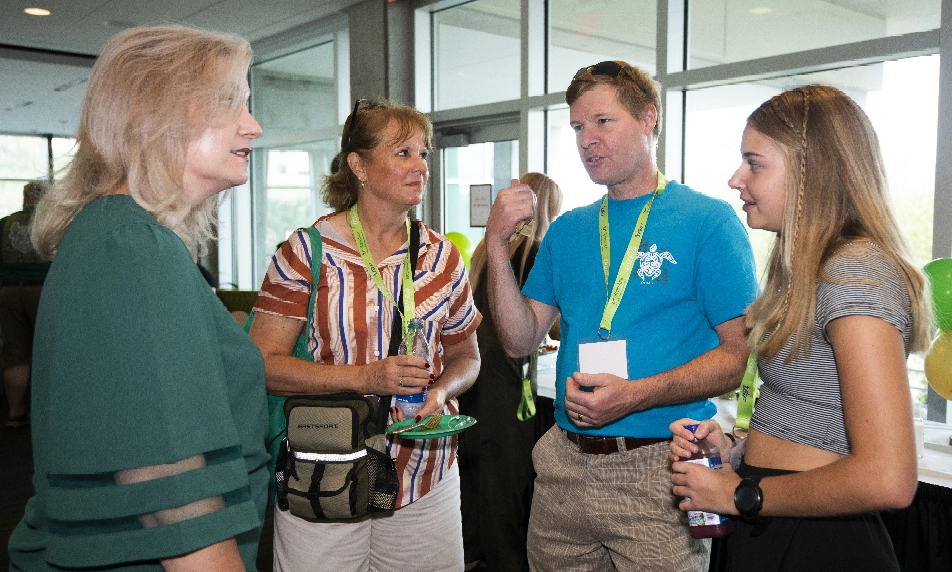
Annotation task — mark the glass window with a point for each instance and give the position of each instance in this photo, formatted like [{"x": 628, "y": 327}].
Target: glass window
[
  {"x": 585, "y": 33},
  {"x": 494, "y": 163},
  {"x": 716, "y": 118},
  {"x": 296, "y": 100},
  {"x": 736, "y": 30},
  {"x": 23, "y": 158},
  {"x": 63, "y": 152},
  {"x": 476, "y": 54},
  {"x": 290, "y": 196},
  {"x": 296, "y": 91},
  {"x": 11, "y": 196},
  {"x": 565, "y": 167}
]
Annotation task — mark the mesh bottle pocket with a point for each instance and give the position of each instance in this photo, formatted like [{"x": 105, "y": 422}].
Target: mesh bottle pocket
[{"x": 384, "y": 484}]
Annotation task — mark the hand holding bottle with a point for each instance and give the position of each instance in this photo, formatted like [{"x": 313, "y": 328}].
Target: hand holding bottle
[
  {"x": 415, "y": 344},
  {"x": 703, "y": 488}
]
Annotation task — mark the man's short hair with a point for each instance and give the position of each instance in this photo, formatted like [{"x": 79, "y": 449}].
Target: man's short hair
[
  {"x": 34, "y": 191},
  {"x": 634, "y": 87}
]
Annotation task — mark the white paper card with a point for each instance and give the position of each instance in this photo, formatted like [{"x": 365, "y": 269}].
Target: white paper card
[
  {"x": 480, "y": 200},
  {"x": 604, "y": 356}
]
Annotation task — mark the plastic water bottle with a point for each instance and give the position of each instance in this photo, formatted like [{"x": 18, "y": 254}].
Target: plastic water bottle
[
  {"x": 413, "y": 344},
  {"x": 707, "y": 524}
]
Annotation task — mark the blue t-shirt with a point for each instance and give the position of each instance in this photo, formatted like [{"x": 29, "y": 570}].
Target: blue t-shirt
[{"x": 695, "y": 271}]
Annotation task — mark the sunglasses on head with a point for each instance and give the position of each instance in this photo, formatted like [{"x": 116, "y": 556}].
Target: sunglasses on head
[
  {"x": 606, "y": 68},
  {"x": 353, "y": 120}
]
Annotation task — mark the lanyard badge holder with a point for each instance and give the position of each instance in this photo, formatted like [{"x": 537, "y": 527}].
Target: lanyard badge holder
[{"x": 609, "y": 354}]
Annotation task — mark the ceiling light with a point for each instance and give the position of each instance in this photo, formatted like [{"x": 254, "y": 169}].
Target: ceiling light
[
  {"x": 761, "y": 11},
  {"x": 37, "y": 11}
]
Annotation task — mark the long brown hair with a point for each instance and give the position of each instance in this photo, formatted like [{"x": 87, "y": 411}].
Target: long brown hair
[
  {"x": 835, "y": 193},
  {"x": 548, "y": 205}
]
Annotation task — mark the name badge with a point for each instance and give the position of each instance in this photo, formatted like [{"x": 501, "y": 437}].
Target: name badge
[{"x": 604, "y": 356}]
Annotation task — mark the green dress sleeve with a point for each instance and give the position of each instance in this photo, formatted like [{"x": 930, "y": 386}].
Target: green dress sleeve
[{"x": 136, "y": 378}]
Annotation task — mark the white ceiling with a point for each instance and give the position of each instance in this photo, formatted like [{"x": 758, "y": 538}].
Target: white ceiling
[{"x": 45, "y": 60}]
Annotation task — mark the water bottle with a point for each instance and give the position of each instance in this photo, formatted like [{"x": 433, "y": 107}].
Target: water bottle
[
  {"x": 413, "y": 344},
  {"x": 706, "y": 524}
]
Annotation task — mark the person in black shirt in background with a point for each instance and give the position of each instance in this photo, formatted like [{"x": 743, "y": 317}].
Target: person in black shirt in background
[{"x": 496, "y": 454}]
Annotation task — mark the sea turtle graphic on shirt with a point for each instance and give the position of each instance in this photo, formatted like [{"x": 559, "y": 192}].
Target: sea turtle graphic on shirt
[{"x": 650, "y": 266}]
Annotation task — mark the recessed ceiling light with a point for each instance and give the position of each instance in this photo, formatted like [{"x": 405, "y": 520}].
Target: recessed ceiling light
[
  {"x": 761, "y": 11},
  {"x": 37, "y": 11}
]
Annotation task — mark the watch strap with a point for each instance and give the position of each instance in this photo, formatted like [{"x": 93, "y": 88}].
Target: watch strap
[{"x": 741, "y": 503}]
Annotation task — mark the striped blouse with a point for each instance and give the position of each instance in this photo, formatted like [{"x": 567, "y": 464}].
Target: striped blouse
[
  {"x": 801, "y": 401},
  {"x": 353, "y": 321}
]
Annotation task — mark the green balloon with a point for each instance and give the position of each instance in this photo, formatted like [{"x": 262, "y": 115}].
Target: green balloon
[
  {"x": 463, "y": 244},
  {"x": 939, "y": 272}
]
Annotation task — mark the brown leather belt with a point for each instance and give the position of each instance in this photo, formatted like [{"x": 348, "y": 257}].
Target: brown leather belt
[{"x": 609, "y": 445}]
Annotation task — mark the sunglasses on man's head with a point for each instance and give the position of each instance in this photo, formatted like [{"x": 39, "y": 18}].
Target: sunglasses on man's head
[{"x": 606, "y": 68}]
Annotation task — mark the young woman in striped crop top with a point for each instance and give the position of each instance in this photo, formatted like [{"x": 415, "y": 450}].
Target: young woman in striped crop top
[{"x": 842, "y": 307}]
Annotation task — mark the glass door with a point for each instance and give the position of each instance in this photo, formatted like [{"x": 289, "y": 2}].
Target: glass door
[{"x": 465, "y": 158}]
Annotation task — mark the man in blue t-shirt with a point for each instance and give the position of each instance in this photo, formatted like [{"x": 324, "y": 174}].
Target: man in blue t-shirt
[{"x": 651, "y": 283}]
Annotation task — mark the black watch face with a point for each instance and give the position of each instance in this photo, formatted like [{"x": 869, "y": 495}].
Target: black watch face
[{"x": 745, "y": 497}]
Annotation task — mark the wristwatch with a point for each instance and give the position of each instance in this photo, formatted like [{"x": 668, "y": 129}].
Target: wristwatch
[{"x": 748, "y": 498}]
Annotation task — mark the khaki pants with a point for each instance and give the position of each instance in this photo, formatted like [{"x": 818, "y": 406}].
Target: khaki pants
[
  {"x": 424, "y": 536},
  {"x": 607, "y": 512}
]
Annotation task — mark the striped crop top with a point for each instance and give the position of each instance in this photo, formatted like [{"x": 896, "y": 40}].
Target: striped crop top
[{"x": 801, "y": 401}]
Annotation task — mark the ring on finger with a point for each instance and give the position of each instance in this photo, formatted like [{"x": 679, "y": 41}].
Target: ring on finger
[
  {"x": 580, "y": 417},
  {"x": 401, "y": 382}
]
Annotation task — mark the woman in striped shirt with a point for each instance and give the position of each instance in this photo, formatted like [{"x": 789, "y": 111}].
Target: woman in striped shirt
[
  {"x": 379, "y": 175},
  {"x": 831, "y": 439}
]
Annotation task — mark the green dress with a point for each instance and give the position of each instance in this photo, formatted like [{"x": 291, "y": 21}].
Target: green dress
[{"x": 137, "y": 363}]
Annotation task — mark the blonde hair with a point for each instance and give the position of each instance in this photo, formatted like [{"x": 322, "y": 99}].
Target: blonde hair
[
  {"x": 362, "y": 137},
  {"x": 548, "y": 205},
  {"x": 151, "y": 92},
  {"x": 635, "y": 88},
  {"x": 835, "y": 194}
]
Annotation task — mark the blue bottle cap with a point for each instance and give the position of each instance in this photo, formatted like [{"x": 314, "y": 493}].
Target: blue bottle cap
[{"x": 692, "y": 428}]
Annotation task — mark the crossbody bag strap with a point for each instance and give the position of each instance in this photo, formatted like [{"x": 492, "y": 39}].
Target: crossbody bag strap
[
  {"x": 396, "y": 332},
  {"x": 317, "y": 254}
]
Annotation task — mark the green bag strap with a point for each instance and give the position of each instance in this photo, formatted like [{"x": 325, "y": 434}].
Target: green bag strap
[
  {"x": 277, "y": 424},
  {"x": 317, "y": 253}
]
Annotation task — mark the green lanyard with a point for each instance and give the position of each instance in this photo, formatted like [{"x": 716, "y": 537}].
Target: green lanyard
[
  {"x": 409, "y": 304},
  {"x": 747, "y": 395},
  {"x": 527, "y": 406},
  {"x": 627, "y": 263}
]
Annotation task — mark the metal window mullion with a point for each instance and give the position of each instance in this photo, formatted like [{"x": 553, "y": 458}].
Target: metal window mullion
[{"x": 809, "y": 61}]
